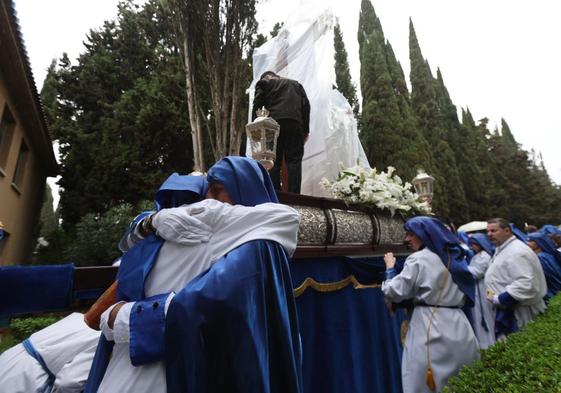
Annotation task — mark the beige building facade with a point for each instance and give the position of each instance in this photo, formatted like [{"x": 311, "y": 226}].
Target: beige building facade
[{"x": 26, "y": 153}]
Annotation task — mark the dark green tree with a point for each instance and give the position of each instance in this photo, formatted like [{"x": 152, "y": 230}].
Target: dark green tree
[
  {"x": 342, "y": 72},
  {"x": 449, "y": 198},
  {"x": 388, "y": 130},
  {"x": 119, "y": 113}
]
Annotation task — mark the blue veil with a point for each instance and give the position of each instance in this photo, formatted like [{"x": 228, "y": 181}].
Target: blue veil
[
  {"x": 180, "y": 190},
  {"x": 247, "y": 182},
  {"x": 550, "y": 230},
  {"x": 482, "y": 241},
  {"x": 546, "y": 244},
  {"x": 437, "y": 238}
]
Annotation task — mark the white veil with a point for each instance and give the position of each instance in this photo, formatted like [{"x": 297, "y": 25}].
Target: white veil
[{"x": 303, "y": 50}]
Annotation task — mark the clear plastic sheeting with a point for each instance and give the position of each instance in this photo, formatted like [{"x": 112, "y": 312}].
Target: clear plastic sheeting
[{"x": 303, "y": 50}]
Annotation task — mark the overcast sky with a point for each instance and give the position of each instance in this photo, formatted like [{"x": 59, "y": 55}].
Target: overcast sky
[{"x": 500, "y": 58}]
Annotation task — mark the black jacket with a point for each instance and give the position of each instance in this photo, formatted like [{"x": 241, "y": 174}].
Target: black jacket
[{"x": 284, "y": 99}]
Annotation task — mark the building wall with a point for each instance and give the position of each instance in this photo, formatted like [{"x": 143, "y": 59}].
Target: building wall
[{"x": 19, "y": 206}]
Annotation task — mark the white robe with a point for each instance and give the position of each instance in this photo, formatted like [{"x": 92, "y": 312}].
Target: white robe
[
  {"x": 483, "y": 309},
  {"x": 516, "y": 269},
  {"x": 178, "y": 264},
  {"x": 67, "y": 347},
  {"x": 452, "y": 343}
]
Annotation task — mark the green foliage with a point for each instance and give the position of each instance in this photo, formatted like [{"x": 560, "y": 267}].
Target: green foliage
[
  {"x": 97, "y": 235},
  {"x": 342, "y": 72},
  {"x": 388, "y": 128},
  {"x": 22, "y": 328},
  {"x": 433, "y": 113},
  {"x": 119, "y": 113},
  {"x": 8, "y": 341},
  {"x": 529, "y": 361},
  {"x": 276, "y": 28}
]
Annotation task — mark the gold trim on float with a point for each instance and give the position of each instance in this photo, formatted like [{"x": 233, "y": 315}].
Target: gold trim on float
[{"x": 331, "y": 286}]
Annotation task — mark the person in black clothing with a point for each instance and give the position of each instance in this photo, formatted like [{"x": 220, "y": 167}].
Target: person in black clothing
[{"x": 288, "y": 104}]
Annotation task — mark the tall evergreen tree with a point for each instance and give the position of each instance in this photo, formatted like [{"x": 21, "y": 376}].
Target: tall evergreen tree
[
  {"x": 388, "y": 131},
  {"x": 449, "y": 197},
  {"x": 342, "y": 72},
  {"x": 463, "y": 146},
  {"x": 507, "y": 135}
]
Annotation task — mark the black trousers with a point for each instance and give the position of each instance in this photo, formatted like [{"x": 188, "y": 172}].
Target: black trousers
[{"x": 290, "y": 147}]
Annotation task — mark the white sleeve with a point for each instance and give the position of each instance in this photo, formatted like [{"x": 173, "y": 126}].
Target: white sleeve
[
  {"x": 228, "y": 226},
  {"x": 404, "y": 285},
  {"x": 239, "y": 224},
  {"x": 524, "y": 284},
  {"x": 479, "y": 264}
]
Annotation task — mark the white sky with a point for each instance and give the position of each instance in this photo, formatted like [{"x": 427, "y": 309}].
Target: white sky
[{"x": 501, "y": 57}]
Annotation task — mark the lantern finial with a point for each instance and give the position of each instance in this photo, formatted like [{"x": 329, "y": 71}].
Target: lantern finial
[
  {"x": 262, "y": 134},
  {"x": 423, "y": 184}
]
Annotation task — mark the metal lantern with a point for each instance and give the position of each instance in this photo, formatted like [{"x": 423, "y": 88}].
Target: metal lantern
[
  {"x": 262, "y": 134},
  {"x": 423, "y": 184}
]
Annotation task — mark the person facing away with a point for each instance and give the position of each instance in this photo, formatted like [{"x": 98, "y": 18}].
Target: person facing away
[
  {"x": 440, "y": 339},
  {"x": 483, "y": 316},
  {"x": 137, "y": 361},
  {"x": 515, "y": 282},
  {"x": 288, "y": 104},
  {"x": 550, "y": 259}
]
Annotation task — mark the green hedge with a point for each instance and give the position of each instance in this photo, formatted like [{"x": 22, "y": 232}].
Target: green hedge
[
  {"x": 22, "y": 328},
  {"x": 529, "y": 361}
]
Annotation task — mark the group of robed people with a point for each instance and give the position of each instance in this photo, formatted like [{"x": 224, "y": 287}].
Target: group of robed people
[
  {"x": 205, "y": 300},
  {"x": 465, "y": 299}
]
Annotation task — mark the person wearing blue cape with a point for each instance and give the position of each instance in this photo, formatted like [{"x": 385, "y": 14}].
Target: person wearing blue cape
[
  {"x": 150, "y": 275},
  {"x": 234, "y": 328},
  {"x": 514, "y": 281},
  {"x": 550, "y": 258},
  {"x": 483, "y": 316},
  {"x": 440, "y": 339}
]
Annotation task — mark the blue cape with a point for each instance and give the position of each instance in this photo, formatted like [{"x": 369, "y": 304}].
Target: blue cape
[
  {"x": 247, "y": 182},
  {"x": 482, "y": 241},
  {"x": 437, "y": 238},
  {"x": 550, "y": 229},
  {"x": 550, "y": 260},
  {"x": 137, "y": 263},
  {"x": 234, "y": 328}
]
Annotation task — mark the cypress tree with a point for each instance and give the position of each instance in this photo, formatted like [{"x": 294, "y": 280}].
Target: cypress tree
[
  {"x": 508, "y": 138},
  {"x": 342, "y": 73},
  {"x": 449, "y": 198},
  {"x": 388, "y": 137},
  {"x": 461, "y": 143}
]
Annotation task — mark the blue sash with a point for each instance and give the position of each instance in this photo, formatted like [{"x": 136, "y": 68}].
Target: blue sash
[{"x": 30, "y": 349}]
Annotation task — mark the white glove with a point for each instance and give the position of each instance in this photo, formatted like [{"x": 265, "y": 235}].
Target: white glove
[{"x": 179, "y": 226}]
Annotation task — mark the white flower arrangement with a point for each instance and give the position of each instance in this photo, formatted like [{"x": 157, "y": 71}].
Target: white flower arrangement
[{"x": 385, "y": 190}]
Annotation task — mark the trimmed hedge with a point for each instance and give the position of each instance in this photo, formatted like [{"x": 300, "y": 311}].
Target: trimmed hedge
[{"x": 529, "y": 361}]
